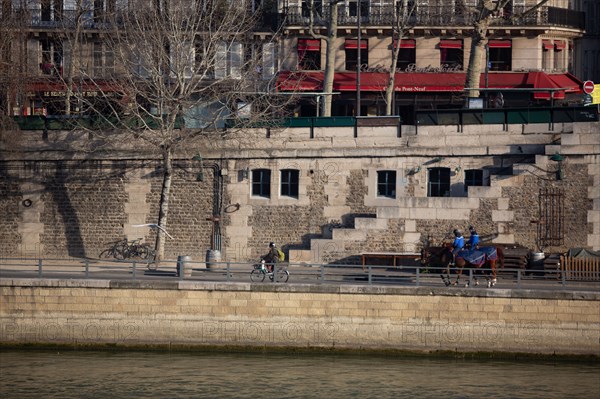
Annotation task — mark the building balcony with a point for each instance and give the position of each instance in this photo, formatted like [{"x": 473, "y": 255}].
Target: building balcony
[{"x": 442, "y": 16}]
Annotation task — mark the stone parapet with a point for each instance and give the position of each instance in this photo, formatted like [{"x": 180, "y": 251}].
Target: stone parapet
[{"x": 169, "y": 313}]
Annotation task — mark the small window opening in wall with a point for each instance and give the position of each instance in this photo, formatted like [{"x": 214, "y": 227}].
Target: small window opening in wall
[
  {"x": 386, "y": 183},
  {"x": 261, "y": 183},
  {"x": 473, "y": 177},
  {"x": 438, "y": 184},
  {"x": 289, "y": 183}
]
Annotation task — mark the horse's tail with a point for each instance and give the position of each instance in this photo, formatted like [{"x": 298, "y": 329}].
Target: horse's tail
[{"x": 500, "y": 252}]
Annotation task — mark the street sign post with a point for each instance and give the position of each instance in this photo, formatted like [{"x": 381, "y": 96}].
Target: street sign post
[{"x": 588, "y": 87}]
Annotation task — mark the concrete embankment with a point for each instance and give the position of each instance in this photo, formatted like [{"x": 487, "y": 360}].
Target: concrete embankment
[{"x": 200, "y": 314}]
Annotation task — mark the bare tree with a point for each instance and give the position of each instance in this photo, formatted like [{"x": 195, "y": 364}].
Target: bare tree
[
  {"x": 484, "y": 14},
  {"x": 176, "y": 61},
  {"x": 403, "y": 13},
  {"x": 12, "y": 59},
  {"x": 332, "y": 25}
]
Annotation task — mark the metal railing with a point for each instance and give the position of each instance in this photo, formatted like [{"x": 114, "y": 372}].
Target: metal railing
[
  {"x": 239, "y": 272},
  {"x": 442, "y": 15}
]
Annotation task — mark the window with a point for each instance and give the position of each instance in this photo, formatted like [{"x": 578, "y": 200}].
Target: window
[
  {"x": 386, "y": 183},
  {"x": 439, "y": 182},
  {"x": 305, "y": 8},
  {"x": 473, "y": 177},
  {"x": 353, "y": 8},
  {"x": 261, "y": 183},
  {"x": 309, "y": 54},
  {"x": 547, "y": 48},
  {"x": 269, "y": 60},
  {"x": 559, "y": 55},
  {"x": 406, "y": 54},
  {"x": 228, "y": 60},
  {"x": 103, "y": 59},
  {"x": 500, "y": 55},
  {"x": 351, "y": 48},
  {"x": 451, "y": 53},
  {"x": 289, "y": 182}
]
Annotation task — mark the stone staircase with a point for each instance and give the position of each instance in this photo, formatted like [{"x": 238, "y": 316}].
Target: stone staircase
[{"x": 408, "y": 210}]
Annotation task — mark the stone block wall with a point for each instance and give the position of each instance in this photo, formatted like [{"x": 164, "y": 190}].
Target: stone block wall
[
  {"x": 79, "y": 206},
  {"x": 199, "y": 314}
]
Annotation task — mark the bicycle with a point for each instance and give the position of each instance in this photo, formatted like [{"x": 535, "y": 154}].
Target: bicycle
[
  {"x": 124, "y": 249},
  {"x": 136, "y": 249},
  {"x": 260, "y": 271},
  {"x": 117, "y": 250}
]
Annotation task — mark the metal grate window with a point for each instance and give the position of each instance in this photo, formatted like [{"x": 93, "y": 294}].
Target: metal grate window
[{"x": 552, "y": 210}]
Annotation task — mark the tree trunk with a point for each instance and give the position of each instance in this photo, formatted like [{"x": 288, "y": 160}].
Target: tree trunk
[
  {"x": 476, "y": 58},
  {"x": 330, "y": 61},
  {"x": 164, "y": 203},
  {"x": 389, "y": 90}
]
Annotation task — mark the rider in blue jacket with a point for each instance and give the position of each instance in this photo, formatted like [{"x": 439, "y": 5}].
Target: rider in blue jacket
[
  {"x": 473, "y": 239},
  {"x": 459, "y": 242}
]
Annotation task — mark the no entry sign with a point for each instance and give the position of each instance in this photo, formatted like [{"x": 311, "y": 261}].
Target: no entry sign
[{"x": 588, "y": 87}]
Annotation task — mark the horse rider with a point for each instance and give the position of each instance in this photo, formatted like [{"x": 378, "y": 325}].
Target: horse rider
[
  {"x": 459, "y": 242},
  {"x": 473, "y": 239}
]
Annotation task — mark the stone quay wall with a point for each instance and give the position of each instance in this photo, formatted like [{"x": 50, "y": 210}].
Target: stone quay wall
[
  {"x": 60, "y": 200},
  {"x": 193, "y": 314}
]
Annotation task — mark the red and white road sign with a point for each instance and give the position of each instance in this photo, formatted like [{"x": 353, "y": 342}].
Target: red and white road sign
[{"x": 588, "y": 87}]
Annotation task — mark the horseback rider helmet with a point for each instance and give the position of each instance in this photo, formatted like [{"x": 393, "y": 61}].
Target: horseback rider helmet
[
  {"x": 271, "y": 244},
  {"x": 457, "y": 233}
]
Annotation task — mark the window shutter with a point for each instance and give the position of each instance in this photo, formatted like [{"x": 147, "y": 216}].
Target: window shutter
[
  {"x": 268, "y": 67},
  {"x": 236, "y": 57},
  {"x": 221, "y": 61}
]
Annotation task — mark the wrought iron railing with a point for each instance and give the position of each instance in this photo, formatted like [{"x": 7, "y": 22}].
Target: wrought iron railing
[
  {"x": 442, "y": 15},
  {"x": 439, "y": 15}
]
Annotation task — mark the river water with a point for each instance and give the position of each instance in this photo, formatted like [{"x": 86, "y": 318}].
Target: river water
[{"x": 115, "y": 375}]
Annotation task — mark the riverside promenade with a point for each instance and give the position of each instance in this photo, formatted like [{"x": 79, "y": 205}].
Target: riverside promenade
[{"x": 188, "y": 312}]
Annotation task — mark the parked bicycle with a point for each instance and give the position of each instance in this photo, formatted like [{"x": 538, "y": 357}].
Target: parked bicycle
[
  {"x": 133, "y": 249},
  {"x": 261, "y": 271}
]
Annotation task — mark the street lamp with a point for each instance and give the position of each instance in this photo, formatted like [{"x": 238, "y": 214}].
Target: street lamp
[
  {"x": 358, "y": 60},
  {"x": 559, "y": 160}
]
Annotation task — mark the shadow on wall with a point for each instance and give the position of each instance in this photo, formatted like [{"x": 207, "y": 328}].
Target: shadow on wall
[{"x": 70, "y": 221}]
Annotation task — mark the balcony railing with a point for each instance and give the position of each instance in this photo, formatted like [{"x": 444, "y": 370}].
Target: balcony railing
[
  {"x": 431, "y": 16},
  {"x": 441, "y": 15}
]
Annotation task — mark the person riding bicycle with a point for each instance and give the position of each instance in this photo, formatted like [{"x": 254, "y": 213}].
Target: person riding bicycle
[
  {"x": 459, "y": 242},
  {"x": 275, "y": 255},
  {"x": 473, "y": 239}
]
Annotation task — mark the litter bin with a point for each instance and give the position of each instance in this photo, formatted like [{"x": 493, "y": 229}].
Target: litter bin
[
  {"x": 213, "y": 257},
  {"x": 536, "y": 263},
  {"x": 184, "y": 266}
]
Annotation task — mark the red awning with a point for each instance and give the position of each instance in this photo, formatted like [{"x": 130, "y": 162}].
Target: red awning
[
  {"x": 559, "y": 84},
  {"x": 560, "y": 45},
  {"x": 450, "y": 43},
  {"x": 309, "y": 44},
  {"x": 50, "y": 88},
  {"x": 352, "y": 44},
  {"x": 547, "y": 44},
  {"x": 499, "y": 44},
  {"x": 406, "y": 43}
]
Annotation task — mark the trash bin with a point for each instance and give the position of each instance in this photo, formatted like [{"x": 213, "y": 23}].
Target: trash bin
[
  {"x": 213, "y": 257},
  {"x": 536, "y": 263},
  {"x": 184, "y": 266}
]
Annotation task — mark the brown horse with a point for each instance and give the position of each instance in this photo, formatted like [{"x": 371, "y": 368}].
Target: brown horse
[{"x": 488, "y": 259}]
